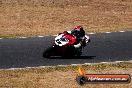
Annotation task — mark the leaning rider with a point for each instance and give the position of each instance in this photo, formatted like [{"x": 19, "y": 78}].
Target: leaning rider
[{"x": 79, "y": 33}]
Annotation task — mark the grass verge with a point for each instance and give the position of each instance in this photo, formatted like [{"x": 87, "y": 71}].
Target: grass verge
[
  {"x": 48, "y": 17},
  {"x": 63, "y": 77}
]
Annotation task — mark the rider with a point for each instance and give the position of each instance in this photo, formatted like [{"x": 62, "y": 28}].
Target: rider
[{"x": 79, "y": 33}]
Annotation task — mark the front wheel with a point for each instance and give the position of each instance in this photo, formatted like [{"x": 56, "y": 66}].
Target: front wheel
[{"x": 78, "y": 52}]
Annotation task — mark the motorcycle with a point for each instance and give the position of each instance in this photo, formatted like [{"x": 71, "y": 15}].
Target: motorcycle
[{"x": 63, "y": 46}]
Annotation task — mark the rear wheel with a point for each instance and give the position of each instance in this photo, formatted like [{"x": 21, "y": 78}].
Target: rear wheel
[{"x": 48, "y": 52}]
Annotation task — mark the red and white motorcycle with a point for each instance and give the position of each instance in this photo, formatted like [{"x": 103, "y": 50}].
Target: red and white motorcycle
[{"x": 63, "y": 46}]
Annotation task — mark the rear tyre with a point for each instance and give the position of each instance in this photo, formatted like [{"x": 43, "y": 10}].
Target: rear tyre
[
  {"x": 79, "y": 54},
  {"x": 48, "y": 52}
]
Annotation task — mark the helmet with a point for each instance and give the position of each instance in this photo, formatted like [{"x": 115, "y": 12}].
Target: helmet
[
  {"x": 78, "y": 31},
  {"x": 79, "y": 28}
]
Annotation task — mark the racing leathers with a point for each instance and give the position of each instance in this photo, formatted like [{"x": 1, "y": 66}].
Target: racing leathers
[{"x": 80, "y": 40}]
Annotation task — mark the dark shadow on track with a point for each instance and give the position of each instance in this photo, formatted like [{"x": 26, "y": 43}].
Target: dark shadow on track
[{"x": 81, "y": 57}]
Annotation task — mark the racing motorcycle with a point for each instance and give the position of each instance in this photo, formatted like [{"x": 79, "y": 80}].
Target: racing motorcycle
[{"x": 63, "y": 46}]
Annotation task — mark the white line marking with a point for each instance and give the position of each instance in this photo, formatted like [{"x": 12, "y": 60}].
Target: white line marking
[
  {"x": 30, "y": 67},
  {"x": 23, "y": 37},
  {"x": 121, "y": 31},
  {"x": 42, "y": 66},
  {"x": 40, "y": 36},
  {"x": 119, "y": 61},
  {"x": 13, "y": 69},
  {"x": 1, "y": 38},
  {"x": 62, "y": 65},
  {"x": 91, "y": 33},
  {"x": 74, "y": 64},
  {"x": 107, "y": 32},
  {"x": 87, "y": 63}
]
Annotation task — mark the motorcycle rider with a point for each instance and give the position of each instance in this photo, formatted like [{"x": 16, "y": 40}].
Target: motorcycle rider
[{"x": 79, "y": 34}]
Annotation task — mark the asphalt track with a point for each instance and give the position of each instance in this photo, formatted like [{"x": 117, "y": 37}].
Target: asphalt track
[{"x": 104, "y": 47}]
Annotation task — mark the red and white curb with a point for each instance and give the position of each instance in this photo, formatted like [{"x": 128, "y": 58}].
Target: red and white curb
[{"x": 39, "y": 67}]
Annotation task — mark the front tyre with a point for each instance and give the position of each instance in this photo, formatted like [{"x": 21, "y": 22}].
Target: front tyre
[{"x": 78, "y": 52}]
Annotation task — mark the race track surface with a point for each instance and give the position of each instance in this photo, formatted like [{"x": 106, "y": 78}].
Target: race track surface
[{"x": 104, "y": 47}]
